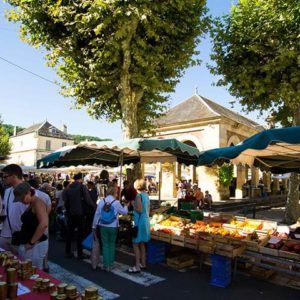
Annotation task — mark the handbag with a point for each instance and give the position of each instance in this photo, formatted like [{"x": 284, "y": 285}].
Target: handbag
[
  {"x": 95, "y": 254},
  {"x": 16, "y": 238},
  {"x": 88, "y": 242},
  {"x": 134, "y": 230}
]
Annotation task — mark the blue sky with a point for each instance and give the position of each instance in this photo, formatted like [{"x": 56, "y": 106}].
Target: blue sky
[{"x": 25, "y": 99}]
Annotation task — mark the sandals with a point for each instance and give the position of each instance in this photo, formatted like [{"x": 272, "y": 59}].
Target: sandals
[{"x": 133, "y": 270}]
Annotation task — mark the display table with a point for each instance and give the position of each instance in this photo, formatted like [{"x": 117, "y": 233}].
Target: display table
[{"x": 29, "y": 284}]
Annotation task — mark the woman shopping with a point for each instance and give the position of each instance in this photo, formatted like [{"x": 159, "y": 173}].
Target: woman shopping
[
  {"x": 31, "y": 239},
  {"x": 142, "y": 222},
  {"x": 106, "y": 217}
]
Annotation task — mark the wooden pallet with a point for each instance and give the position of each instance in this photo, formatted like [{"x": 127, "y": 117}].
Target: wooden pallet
[{"x": 180, "y": 262}]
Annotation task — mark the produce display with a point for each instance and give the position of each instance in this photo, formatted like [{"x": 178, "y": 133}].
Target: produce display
[
  {"x": 256, "y": 235},
  {"x": 292, "y": 246}
]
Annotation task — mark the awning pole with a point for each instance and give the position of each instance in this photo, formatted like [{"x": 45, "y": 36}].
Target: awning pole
[
  {"x": 159, "y": 184},
  {"x": 121, "y": 166}
]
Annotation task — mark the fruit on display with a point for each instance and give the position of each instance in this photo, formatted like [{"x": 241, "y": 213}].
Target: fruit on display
[
  {"x": 291, "y": 246},
  {"x": 281, "y": 235},
  {"x": 276, "y": 245},
  {"x": 156, "y": 218},
  {"x": 173, "y": 222}
]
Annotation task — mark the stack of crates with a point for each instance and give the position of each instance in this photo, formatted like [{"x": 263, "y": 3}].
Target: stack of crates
[
  {"x": 220, "y": 270},
  {"x": 156, "y": 252}
]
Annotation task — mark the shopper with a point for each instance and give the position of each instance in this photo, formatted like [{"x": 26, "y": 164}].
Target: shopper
[
  {"x": 128, "y": 194},
  {"x": 59, "y": 202},
  {"x": 208, "y": 199},
  {"x": 141, "y": 220},
  {"x": 31, "y": 239},
  {"x": 106, "y": 217},
  {"x": 12, "y": 175},
  {"x": 77, "y": 200}
]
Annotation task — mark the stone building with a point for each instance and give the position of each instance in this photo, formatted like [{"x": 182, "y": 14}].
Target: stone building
[
  {"x": 204, "y": 124},
  {"x": 37, "y": 141}
]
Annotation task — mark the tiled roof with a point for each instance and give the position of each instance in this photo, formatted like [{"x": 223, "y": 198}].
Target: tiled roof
[
  {"x": 45, "y": 129},
  {"x": 197, "y": 107}
]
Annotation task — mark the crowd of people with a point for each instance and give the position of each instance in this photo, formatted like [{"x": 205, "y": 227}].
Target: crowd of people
[
  {"x": 188, "y": 191},
  {"x": 73, "y": 209}
]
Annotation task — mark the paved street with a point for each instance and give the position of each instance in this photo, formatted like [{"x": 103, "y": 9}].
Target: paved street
[{"x": 160, "y": 281}]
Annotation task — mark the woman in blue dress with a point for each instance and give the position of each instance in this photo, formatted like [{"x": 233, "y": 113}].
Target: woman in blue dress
[{"x": 142, "y": 221}]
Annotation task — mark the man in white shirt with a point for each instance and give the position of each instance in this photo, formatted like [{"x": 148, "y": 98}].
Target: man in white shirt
[{"x": 13, "y": 176}]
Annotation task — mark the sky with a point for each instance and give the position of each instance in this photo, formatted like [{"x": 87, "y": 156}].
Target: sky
[{"x": 26, "y": 99}]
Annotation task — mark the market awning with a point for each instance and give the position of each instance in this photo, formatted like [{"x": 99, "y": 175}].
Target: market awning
[
  {"x": 275, "y": 150},
  {"x": 132, "y": 151}
]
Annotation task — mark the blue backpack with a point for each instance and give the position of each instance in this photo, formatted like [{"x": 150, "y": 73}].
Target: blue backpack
[{"x": 107, "y": 213}]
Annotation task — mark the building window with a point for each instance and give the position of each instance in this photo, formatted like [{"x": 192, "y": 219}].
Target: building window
[
  {"x": 64, "y": 144},
  {"x": 48, "y": 145},
  {"x": 21, "y": 144}
]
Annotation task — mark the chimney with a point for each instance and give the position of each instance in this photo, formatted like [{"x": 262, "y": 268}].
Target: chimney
[
  {"x": 64, "y": 129},
  {"x": 15, "y": 130}
]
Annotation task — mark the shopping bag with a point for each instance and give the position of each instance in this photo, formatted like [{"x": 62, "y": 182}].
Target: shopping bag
[
  {"x": 88, "y": 242},
  {"x": 95, "y": 254}
]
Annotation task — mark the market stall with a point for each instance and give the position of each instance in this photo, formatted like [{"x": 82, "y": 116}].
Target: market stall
[{"x": 257, "y": 243}]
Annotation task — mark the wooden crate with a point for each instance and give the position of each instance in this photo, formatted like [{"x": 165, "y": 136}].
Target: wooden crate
[
  {"x": 287, "y": 254},
  {"x": 254, "y": 245},
  {"x": 261, "y": 273},
  {"x": 164, "y": 237},
  {"x": 221, "y": 239},
  {"x": 266, "y": 250},
  {"x": 191, "y": 243},
  {"x": 206, "y": 246},
  {"x": 177, "y": 240},
  {"x": 154, "y": 235},
  {"x": 230, "y": 250},
  {"x": 180, "y": 262}
]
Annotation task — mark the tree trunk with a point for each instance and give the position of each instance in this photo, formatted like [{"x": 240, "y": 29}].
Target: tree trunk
[
  {"x": 292, "y": 211},
  {"x": 129, "y": 98}
]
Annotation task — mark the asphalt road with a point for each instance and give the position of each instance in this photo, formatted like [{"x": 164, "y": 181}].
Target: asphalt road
[{"x": 191, "y": 284}]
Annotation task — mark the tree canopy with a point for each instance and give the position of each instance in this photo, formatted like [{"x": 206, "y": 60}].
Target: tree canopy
[
  {"x": 117, "y": 58},
  {"x": 256, "y": 50},
  {"x": 4, "y": 142}
]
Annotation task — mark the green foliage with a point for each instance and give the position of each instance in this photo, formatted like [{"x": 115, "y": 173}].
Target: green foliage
[
  {"x": 81, "y": 138},
  {"x": 117, "y": 58},
  {"x": 256, "y": 50},
  {"x": 226, "y": 175},
  {"x": 4, "y": 142},
  {"x": 9, "y": 129}
]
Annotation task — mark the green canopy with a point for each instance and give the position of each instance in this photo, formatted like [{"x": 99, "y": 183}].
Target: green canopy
[
  {"x": 131, "y": 151},
  {"x": 275, "y": 150}
]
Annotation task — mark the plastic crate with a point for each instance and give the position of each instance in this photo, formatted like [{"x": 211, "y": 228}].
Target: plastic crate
[
  {"x": 196, "y": 215},
  {"x": 220, "y": 270},
  {"x": 220, "y": 282},
  {"x": 186, "y": 205},
  {"x": 156, "y": 252}
]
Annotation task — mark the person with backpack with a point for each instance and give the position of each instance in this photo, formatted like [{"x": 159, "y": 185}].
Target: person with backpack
[
  {"x": 77, "y": 201},
  {"x": 107, "y": 222}
]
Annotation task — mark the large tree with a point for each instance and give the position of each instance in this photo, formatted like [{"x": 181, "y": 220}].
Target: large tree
[
  {"x": 4, "y": 142},
  {"x": 117, "y": 58},
  {"x": 256, "y": 52}
]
